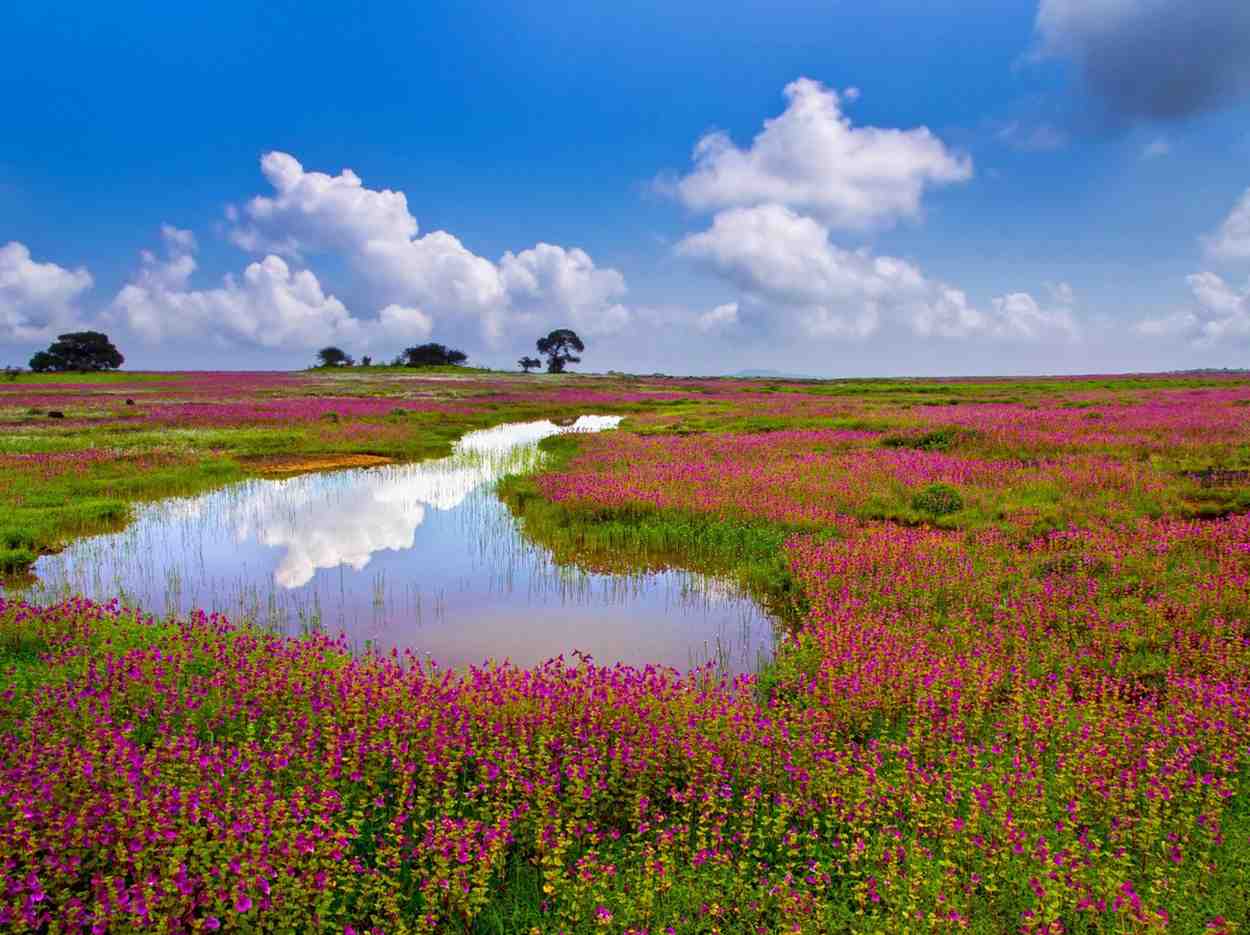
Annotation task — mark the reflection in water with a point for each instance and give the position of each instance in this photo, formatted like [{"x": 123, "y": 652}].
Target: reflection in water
[{"x": 420, "y": 556}]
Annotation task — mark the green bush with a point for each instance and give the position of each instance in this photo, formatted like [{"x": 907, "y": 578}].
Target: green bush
[
  {"x": 937, "y": 500},
  {"x": 935, "y": 440},
  {"x": 16, "y": 560}
]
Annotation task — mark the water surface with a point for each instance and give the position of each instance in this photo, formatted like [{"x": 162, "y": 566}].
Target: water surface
[{"x": 421, "y": 556}]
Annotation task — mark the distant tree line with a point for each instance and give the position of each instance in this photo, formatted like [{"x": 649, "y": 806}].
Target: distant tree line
[
  {"x": 422, "y": 355},
  {"x": 560, "y": 347},
  {"x": 92, "y": 351}
]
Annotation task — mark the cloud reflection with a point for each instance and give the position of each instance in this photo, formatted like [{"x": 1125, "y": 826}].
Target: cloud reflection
[{"x": 369, "y": 510}]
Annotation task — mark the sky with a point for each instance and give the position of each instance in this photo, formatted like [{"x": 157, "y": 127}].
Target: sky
[{"x": 903, "y": 187}]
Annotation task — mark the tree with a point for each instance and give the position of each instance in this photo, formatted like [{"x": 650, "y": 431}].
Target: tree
[
  {"x": 433, "y": 355},
  {"x": 366, "y": 361},
  {"x": 79, "y": 350},
  {"x": 333, "y": 357},
  {"x": 558, "y": 346},
  {"x": 529, "y": 363}
]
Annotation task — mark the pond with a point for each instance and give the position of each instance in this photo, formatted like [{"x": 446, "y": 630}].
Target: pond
[{"x": 417, "y": 556}]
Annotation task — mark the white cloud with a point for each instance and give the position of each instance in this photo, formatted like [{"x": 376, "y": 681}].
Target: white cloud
[
  {"x": 1019, "y": 316},
  {"x": 550, "y": 283},
  {"x": 1152, "y": 59},
  {"x": 270, "y": 305},
  {"x": 37, "y": 299},
  {"x": 1156, "y": 149},
  {"x": 1222, "y": 315},
  {"x": 812, "y": 159},
  {"x": 316, "y": 211},
  {"x": 436, "y": 274},
  {"x": 1232, "y": 240},
  {"x": 403, "y": 323},
  {"x": 786, "y": 264},
  {"x": 718, "y": 319},
  {"x": 182, "y": 240}
]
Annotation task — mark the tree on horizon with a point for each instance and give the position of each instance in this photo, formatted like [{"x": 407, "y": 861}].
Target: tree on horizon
[
  {"x": 433, "y": 355},
  {"x": 558, "y": 346},
  {"x": 529, "y": 363},
  {"x": 333, "y": 357},
  {"x": 82, "y": 351}
]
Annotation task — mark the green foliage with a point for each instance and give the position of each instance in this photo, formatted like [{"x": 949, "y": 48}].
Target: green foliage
[
  {"x": 935, "y": 440},
  {"x": 334, "y": 357},
  {"x": 937, "y": 500},
  {"x": 433, "y": 355},
  {"x": 895, "y": 780},
  {"x": 558, "y": 347},
  {"x": 83, "y": 351},
  {"x": 622, "y": 540}
]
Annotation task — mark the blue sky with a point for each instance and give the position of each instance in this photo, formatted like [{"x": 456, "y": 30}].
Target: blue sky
[{"x": 886, "y": 188}]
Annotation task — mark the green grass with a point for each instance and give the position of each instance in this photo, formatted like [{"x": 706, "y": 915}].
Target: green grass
[
  {"x": 40, "y": 514},
  {"x": 44, "y": 513},
  {"x": 392, "y": 371},
  {"x": 633, "y": 539},
  {"x": 112, "y": 376}
]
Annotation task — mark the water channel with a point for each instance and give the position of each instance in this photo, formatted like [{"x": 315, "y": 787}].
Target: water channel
[{"x": 417, "y": 556}]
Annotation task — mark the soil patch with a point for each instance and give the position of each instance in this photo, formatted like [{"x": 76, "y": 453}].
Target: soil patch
[{"x": 279, "y": 464}]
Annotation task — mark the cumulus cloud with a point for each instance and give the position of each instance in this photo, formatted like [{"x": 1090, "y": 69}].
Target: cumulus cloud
[
  {"x": 548, "y": 278},
  {"x": 1152, "y": 59},
  {"x": 270, "y": 305},
  {"x": 316, "y": 211},
  {"x": 718, "y": 319},
  {"x": 441, "y": 276},
  {"x": 403, "y": 323},
  {"x": 787, "y": 264},
  {"x": 312, "y": 212},
  {"x": 37, "y": 299},
  {"x": 1222, "y": 315},
  {"x": 1019, "y": 316},
  {"x": 812, "y": 159},
  {"x": 1232, "y": 240}
]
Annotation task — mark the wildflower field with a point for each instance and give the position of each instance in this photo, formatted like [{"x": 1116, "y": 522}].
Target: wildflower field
[{"x": 1012, "y": 692}]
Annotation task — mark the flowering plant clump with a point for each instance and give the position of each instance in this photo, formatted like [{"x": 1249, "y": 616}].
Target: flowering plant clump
[
  {"x": 1015, "y": 696},
  {"x": 817, "y": 477}
]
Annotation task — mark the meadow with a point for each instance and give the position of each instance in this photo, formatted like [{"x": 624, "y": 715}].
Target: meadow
[{"x": 1011, "y": 692}]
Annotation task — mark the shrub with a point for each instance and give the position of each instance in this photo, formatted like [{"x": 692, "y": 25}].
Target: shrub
[
  {"x": 937, "y": 500},
  {"x": 433, "y": 355},
  {"x": 935, "y": 440}
]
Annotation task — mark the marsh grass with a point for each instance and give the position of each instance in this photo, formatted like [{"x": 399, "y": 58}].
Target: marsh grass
[
  {"x": 624, "y": 540},
  {"x": 1035, "y": 677},
  {"x": 43, "y": 511}
]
